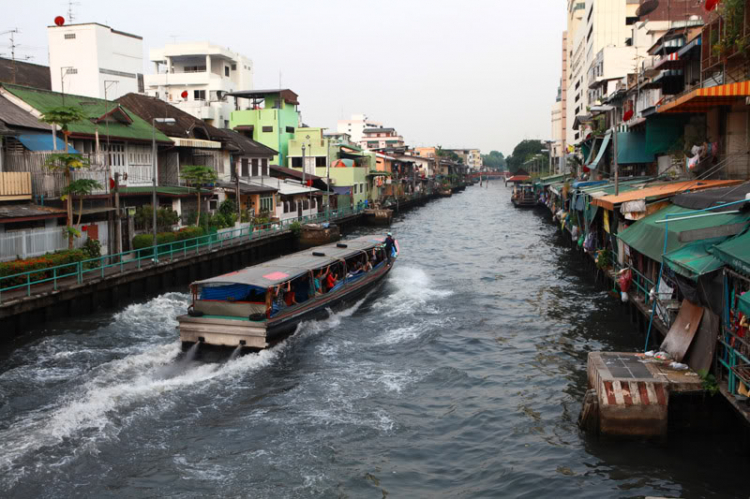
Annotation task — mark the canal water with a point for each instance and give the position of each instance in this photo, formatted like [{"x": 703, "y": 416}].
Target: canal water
[{"x": 462, "y": 376}]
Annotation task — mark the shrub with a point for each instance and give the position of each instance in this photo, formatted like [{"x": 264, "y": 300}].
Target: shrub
[
  {"x": 92, "y": 248},
  {"x": 49, "y": 260}
]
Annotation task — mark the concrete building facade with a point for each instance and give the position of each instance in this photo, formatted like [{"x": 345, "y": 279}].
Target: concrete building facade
[
  {"x": 356, "y": 125},
  {"x": 94, "y": 60},
  {"x": 197, "y": 78}
]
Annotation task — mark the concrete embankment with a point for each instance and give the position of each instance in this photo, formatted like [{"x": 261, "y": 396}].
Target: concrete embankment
[{"x": 24, "y": 308}]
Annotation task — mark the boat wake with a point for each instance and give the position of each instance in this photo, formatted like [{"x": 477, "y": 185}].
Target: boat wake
[{"x": 114, "y": 394}]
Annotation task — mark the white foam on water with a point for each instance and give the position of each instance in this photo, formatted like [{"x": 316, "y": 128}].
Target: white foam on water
[
  {"x": 414, "y": 290},
  {"x": 95, "y": 412}
]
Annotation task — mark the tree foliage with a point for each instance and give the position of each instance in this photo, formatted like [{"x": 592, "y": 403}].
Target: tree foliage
[
  {"x": 524, "y": 151},
  {"x": 80, "y": 188},
  {"x": 447, "y": 154},
  {"x": 197, "y": 176},
  {"x": 63, "y": 116},
  {"x": 495, "y": 160}
]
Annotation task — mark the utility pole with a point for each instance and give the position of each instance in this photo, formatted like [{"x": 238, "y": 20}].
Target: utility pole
[
  {"x": 237, "y": 193},
  {"x": 303, "y": 175}
]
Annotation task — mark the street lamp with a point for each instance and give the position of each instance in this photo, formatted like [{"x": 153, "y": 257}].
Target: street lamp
[{"x": 165, "y": 121}]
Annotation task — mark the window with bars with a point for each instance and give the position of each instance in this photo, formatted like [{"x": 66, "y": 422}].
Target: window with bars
[
  {"x": 116, "y": 154},
  {"x": 139, "y": 155}
]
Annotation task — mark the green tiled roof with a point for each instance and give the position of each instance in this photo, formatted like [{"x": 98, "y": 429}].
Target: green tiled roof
[{"x": 43, "y": 100}]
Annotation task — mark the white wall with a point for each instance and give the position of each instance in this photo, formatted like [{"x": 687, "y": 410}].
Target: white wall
[{"x": 96, "y": 54}]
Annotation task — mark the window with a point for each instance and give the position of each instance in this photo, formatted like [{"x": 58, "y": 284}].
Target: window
[
  {"x": 244, "y": 167},
  {"x": 234, "y": 67},
  {"x": 255, "y": 167},
  {"x": 629, "y": 21},
  {"x": 226, "y": 123},
  {"x": 70, "y": 36},
  {"x": 194, "y": 69},
  {"x": 199, "y": 94},
  {"x": 141, "y": 85},
  {"x": 320, "y": 161},
  {"x": 267, "y": 129},
  {"x": 139, "y": 155},
  {"x": 266, "y": 203},
  {"x": 226, "y": 70},
  {"x": 71, "y": 71},
  {"x": 296, "y": 162},
  {"x": 264, "y": 166},
  {"x": 290, "y": 129},
  {"x": 116, "y": 154}
]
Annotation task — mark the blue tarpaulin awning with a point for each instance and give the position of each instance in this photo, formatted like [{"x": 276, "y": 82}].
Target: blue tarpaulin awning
[
  {"x": 43, "y": 142},
  {"x": 631, "y": 149}
]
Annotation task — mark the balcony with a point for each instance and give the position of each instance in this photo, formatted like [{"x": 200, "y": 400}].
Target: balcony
[{"x": 15, "y": 186}]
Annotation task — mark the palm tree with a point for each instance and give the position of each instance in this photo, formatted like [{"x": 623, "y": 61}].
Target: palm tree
[
  {"x": 80, "y": 188},
  {"x": 66, "y": 162},
  {"x": 197, "y": 176}
]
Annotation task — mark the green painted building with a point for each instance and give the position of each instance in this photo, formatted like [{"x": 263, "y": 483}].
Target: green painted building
[
  {"x": 271, "y": 120},
  {"x": 349, "y": 165}
]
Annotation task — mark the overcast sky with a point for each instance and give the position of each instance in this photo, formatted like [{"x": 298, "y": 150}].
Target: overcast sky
[{"x": 470, "y": 73}]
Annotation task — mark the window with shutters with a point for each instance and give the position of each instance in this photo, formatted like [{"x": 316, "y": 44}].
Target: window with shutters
[
  {"x": 320, "y": 161},
  {"x": 244, "y": 167},
  {"x": 264, "y": 166},
  {"x": 255, "y": 167},
  {"x": 296, "y": 162}
]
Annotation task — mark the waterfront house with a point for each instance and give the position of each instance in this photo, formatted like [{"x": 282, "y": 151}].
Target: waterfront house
[{"x": 271, "y": 119}]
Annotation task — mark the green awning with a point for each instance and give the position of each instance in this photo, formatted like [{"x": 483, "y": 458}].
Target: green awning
[
  {"x": 631, "y": 149},
  {"x": 694, "y": 259},
  {"x": 647, "y": 236},
  {"x": 663, "y": 133},
  {"x": 553, "y": 179},
  {"x": 602, "y": 150},
  {"x": 744, "y": 304},
  {"x": 586, "y": 150},
  {"x": 735, "y": 252}
]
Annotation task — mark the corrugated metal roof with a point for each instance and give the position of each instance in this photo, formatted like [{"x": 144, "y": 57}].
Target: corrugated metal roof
[
  {"x": 660, "y": 191},
  {"x": 43, "y": 100},
  {"x": 297, "y": 264}
]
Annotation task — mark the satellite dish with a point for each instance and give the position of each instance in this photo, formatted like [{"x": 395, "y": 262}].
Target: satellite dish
[
  {"x": 59, "y": 20},
  {"x": 647, "y": 8}
]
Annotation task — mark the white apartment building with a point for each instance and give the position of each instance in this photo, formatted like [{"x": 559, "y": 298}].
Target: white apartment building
[
  {"x": 592, "y": 26},
  {"x": 380, "y": 138},
  {"x": 356, "y": 125},
  {"x": 95, "y": 60},
  {"x": 196, "y": 77}
]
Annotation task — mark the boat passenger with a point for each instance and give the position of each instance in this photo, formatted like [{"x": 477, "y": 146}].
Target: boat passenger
[
  {"x": 331, "y": 281},
  {"x": 290, "y": 297},
  {"x": 367, "y": 266},
  {"x": 318, "y": 281},
  {"x": 279, "y": 294},
  {"x": 389, "y": 244}
]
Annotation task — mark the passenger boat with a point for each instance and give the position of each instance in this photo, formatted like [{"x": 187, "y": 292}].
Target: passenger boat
[
  {"x": 523, "y": 196},
  {"x": 242, "y": 308},
  {"x": 447, "y": 192}
]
